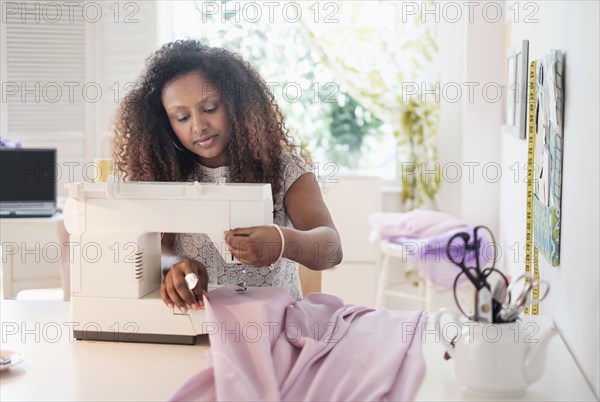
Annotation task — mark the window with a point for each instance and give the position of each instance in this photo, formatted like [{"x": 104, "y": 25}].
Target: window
[
  {"x": 63, "y": 69},
  {"x": 333, "y": 126},
  {"x": 43, "y": 73}
]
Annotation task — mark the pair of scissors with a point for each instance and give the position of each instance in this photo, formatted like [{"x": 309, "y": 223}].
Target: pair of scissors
[
  {"x": 512, "y": 310},
  {"x": 459, "y": 251}
]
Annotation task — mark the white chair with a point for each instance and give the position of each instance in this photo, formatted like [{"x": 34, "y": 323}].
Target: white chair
[
  {"x": 405, "y": 260},
  {"x": 430, "y": 295},
  {"x": 402, "y": 254}
]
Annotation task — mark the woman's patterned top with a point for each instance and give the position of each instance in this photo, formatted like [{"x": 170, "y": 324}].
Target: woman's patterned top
[{"x": 199, "y": 247}]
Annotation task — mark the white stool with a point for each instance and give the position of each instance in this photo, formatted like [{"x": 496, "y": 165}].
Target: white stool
[{"x": 422, "y": 293}]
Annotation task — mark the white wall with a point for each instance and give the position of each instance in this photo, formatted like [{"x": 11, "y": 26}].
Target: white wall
[
  {"x": 120, "y": 49},
  {"x": 483, "y": 71},
  {"x": 573, "y": 301},
  {"x": 449, "y": 141}
]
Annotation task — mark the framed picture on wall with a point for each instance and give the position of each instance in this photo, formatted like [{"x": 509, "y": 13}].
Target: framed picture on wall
[{"x": 515, "y": 118}]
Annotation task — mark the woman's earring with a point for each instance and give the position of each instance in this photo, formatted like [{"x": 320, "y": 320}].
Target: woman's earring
[{"x": 176, "y": 146}]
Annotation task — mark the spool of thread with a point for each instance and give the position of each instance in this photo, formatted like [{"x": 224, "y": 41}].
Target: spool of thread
[{"x": 104, "y": 169}]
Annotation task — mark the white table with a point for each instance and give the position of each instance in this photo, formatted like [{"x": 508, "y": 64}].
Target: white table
[
  {"x": 31, "y": 253},
  {"x": 58, "y": 368}
]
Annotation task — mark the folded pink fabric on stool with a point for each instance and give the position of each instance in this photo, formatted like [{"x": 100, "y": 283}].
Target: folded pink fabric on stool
[
  {"x": 425, "y": 234},
  {"x": 434, "y": 264},
  {"x": 415, "y": 223},
  {"x": 265, "y": 346}
]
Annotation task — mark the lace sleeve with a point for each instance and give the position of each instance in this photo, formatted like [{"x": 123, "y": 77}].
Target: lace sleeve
[{"x": 294, "y": 167}]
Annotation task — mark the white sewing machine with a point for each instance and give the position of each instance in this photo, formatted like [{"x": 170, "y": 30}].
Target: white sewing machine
[{"x": 115, "y": 230}]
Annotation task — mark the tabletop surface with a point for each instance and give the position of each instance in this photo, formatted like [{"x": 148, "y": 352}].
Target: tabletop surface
[{"x": 57, "y": 367}]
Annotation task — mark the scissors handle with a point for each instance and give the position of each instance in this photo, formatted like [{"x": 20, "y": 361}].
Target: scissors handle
[
  {"x": 455, "y": 247},
  {"x": 541, "y": 285},
  {"x": 511, "y": 310},
  {"x": 545, "y": 285},
  {"x": 530, "y": 284}
]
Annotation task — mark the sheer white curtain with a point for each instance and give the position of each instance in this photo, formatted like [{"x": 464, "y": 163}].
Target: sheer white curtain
[{"x": 384, "y": 55}]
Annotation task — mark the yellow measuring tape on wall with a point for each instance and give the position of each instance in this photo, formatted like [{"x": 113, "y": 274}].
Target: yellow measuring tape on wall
[{"x": 529, "y": 243}]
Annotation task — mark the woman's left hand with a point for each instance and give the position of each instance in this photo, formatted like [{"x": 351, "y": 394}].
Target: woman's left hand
[{"x": 259, "y": 246}]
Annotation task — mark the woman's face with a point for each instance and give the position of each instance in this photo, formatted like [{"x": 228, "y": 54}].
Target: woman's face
[{"x": 198, "y": 117}]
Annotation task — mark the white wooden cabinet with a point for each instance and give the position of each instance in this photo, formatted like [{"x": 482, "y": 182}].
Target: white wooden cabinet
[
  {"x": 351, "y": 201},
  {"x": 30, "y": 254}
]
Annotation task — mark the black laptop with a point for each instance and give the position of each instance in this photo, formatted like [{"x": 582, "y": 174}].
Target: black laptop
[{"x": 27, "y": 182}]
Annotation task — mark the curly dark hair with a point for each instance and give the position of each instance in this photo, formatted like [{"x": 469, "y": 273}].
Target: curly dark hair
[{"x": 144, "y": 142}]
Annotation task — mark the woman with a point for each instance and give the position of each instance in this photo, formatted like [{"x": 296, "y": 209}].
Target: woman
[{"x": 202, "y": 113}]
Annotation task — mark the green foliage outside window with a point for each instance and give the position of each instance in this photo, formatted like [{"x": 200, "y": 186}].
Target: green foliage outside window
[{"x": 329, "y": 122}]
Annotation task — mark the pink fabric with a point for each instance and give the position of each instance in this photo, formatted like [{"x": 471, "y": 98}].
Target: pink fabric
[
  {"x": 416, "y": 223},
  {"x": 264, "y": 346}
]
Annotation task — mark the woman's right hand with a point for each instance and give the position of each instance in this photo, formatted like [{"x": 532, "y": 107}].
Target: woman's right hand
[{"x": 174, "y": 290}]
